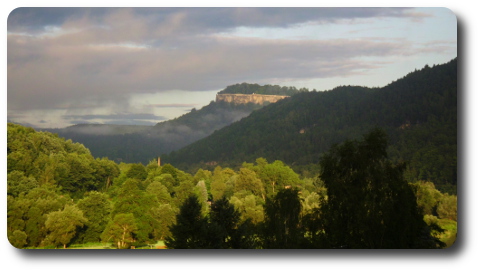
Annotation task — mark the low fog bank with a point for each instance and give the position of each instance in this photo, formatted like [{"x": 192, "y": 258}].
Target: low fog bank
[
  {"x": 101, "y": 129},
  {"x": 129, "y": 143}
]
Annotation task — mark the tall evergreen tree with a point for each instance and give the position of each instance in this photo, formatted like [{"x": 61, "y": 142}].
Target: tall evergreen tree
[
  {"x": 227, "y": 220},
  {"x": 191, "y": 229}
]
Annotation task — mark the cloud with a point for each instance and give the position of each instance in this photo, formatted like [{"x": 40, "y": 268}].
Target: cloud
[
  {"x": 172, "y": 105},
  {"x": 117, "y": 119},
  {"x": 116, "y": 116},
  {"x": 53, "y": 74},
  {"x": 85, "y": 58},
  {"x": 134, "y": 122},
  {"x": 189, "y": 20}
]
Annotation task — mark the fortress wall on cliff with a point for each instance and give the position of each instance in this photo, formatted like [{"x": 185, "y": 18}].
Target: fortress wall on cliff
[{"x": 249, "y": 98}]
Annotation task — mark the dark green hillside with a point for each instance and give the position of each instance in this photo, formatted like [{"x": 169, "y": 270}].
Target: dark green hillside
[{"x": 417, "y": 111}]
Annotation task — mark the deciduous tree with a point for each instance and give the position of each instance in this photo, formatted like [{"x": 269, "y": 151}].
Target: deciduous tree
[
  {"x": 96, "y": 208},
  {"x": 282, "y": 225},
  {"x": 17, "y": 183},
  {"x": 447, "y": 207},
  {"x": 139, "y": 203},
  {"x": 247, "y": 180},
  {"x": 120, "y": 230},
  {"x": 219, "y": 184},
  {"x": 63, "y": 225},
  {"x": 369, "y": 204},
  {"x": 137, "y": 171},
  {"x": 164, "y": 216},
  {"x": 18, "y": 238},
  {"x": 160, "y": 191}
]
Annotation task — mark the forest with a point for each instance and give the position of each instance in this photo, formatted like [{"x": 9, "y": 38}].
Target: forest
[
  {"x": 349, "y": 168},
  {"x": 60, "y": 196},
  {"x": 418, "y": 112}
]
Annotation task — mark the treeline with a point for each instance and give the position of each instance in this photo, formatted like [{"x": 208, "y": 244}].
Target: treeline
[
  {"x": 44, "y": 159},
  {"x": 418, "y": 112},
  {"x": 248, "y": 88},
  {"x": 59, "y": 195}
]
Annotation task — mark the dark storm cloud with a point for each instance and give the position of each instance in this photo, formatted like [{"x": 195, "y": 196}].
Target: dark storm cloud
[
  {"x": 30, "y": 19},
  {"x": 35, "y": 19}
]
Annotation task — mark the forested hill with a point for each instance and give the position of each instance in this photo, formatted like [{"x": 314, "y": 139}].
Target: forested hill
[
  {"x": 418, "y": 111},
  {"x": 247, "y": 88},
  {"x": 132, "y": 143}
]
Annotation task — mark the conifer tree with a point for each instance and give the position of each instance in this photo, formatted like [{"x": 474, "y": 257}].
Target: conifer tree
[{"x": 191, "y": 229}]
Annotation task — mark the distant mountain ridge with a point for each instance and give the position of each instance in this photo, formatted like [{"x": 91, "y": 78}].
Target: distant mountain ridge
[
  {"x": 418, "y": 111},
  {"x": 132, "y": 143}
]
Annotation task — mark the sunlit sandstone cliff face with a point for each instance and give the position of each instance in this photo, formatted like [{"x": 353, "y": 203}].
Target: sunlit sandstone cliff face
[{"x": 249, "y": 98}]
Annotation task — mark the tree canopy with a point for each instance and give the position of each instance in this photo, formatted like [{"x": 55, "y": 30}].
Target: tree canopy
[{"x": 370, "y": 205}]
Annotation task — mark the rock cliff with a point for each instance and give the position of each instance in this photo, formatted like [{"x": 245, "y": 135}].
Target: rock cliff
[{"x": 249, "y": 98}]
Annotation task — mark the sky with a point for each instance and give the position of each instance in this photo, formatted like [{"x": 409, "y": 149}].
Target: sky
[{"x": 141, "y": 66}]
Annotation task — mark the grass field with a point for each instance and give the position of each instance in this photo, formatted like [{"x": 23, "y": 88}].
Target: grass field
[{"x": 158, "y": 245}]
